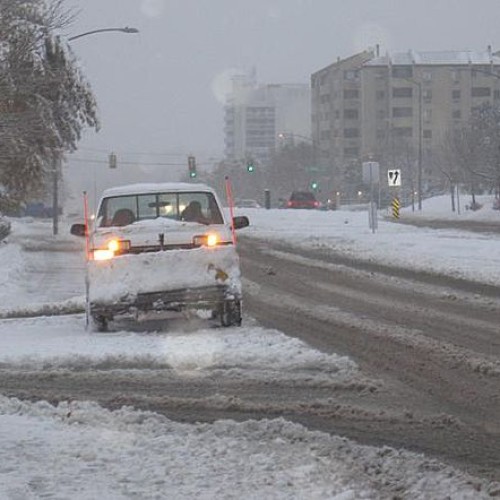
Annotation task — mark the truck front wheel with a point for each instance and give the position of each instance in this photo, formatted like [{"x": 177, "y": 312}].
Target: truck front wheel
[
  {"x": 230, "y": 313},
  {"x": 99, "y": 323}
]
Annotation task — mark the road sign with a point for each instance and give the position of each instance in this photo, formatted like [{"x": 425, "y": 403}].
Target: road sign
[
  {"x": 394, "y": 177},
  {"x": 370, "y": 172}
]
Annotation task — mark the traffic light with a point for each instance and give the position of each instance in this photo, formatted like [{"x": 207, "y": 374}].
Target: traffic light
[
  {"x": 192, "y": 166},
  {"x": 314, "y": 185},
  {"x": 250, "y": 167},
  {"x": 112, "y": 160}
]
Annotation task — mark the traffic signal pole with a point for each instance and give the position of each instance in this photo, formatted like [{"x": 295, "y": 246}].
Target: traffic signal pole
[{"x": 192, "y": 166}]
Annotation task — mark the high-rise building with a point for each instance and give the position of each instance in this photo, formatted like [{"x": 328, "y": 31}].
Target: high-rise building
[{"x": 255, "y": 115}]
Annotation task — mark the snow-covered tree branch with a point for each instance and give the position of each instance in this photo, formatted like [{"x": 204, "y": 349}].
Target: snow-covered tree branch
[{"x": 45, "y": 100}]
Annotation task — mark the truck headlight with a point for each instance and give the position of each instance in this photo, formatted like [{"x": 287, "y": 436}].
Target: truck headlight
[
  {"x": 112, "y": 248},
  {"x": 206, "y": 240}
]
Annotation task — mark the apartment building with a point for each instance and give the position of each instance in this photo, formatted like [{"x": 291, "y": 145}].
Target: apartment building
[
  {"x": 255, "y": 115},
  {"x": 336, "y": 110},
  {"x": 381, "y": 107},
  {"x": 415, "y": 98}
]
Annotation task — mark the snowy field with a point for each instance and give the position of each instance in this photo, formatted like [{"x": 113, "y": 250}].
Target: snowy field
[
  {"x": 82, "y": 451},
  {"x": 463, "y": 254}
]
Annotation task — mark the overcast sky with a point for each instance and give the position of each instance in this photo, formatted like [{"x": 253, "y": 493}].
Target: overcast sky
[{"x": 159, "y": 91}]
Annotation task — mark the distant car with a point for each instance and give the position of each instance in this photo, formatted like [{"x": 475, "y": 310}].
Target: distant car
[
  {"x": 328, "y": 205},
  {"x": 302, "y": 199},
  {"x": 247, "y": 204},
  {"x": 39, "y": 210}
]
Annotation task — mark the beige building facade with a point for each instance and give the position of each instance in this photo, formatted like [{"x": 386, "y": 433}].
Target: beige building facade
[
  {"x": 398, "y": 108},
  {"x": 336, "y": 110}
]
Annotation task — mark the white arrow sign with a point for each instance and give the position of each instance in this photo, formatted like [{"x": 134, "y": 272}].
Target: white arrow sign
[{"x": 394, "y": 177}]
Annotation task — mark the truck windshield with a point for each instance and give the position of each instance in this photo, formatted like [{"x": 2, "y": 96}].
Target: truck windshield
[{"x": 199, "y": 207}]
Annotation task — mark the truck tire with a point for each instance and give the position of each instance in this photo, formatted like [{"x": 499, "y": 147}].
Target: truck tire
[
  {"x": 230, "y": 313},
  {"x": 99, "y": 323}
]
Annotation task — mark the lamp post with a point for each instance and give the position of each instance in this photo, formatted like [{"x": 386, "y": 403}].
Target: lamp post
[
  {"x": 420, "y": 131},
  {"x": 57, "y": 163}
]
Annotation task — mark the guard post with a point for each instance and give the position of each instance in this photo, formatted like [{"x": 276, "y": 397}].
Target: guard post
[{"x": 267, "y": 198}]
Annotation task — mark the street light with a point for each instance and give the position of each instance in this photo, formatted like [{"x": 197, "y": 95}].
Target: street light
[
  {"x": 104, "y": 30},
  {"x": 292, "y": 135},
  {"x": 55, "y": 198}
]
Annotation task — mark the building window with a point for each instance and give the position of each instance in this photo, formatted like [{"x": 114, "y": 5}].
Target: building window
[
  {"x": 427, "y": 115},
  {"x": 496, "y": 94},
  {"x": 427, "y": 134},
  {"x": 351, "y": 74},
  {"x": 481, "y": 92},
  {"x": 427, "y": 76},
  {"x": 427, "y": 95},
  {"x": 455, "y": 94},
  {"x": 351, "y": 114},
  {"x": 402, "y": 112},
  {"x": 457, "y": 114},
  {"x": 402, "y": 71},
  {"x": 403, "y": 131},
  {"x": 351, "y": 132},
  {"x": 380, "y": 95},
  {"x": 455, "y": 76},
  {"x": 351, "y": 152},
  {"x": 351, "y": 94},
  {"x": 402, "y": 92}
]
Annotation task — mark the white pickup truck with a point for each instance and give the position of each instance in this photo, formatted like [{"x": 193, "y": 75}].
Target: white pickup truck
[{"x": 157, "y": 247}]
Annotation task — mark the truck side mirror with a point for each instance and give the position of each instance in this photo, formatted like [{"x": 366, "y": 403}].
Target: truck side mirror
[
  {"x": 77, "y": 230},
  {"x": 240, "y": 222}
]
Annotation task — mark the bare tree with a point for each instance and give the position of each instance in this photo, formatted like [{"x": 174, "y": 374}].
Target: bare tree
[
  {"x": 485, "y": 127},
  {"x": 470, "y": 154},
  {"x": 292, "y": 168}
]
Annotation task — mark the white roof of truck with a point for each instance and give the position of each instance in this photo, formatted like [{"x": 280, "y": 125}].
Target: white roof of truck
[{"x": 163, "y": 187}]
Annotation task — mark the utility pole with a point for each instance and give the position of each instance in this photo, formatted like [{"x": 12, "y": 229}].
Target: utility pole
[
  {"x": 420, "y": 126},
  {"x": 420, "y": 135},
  {"x": 55, "y": 194}
]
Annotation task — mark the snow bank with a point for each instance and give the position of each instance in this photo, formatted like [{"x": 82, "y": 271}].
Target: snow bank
[{"x": 79, "y": 450}]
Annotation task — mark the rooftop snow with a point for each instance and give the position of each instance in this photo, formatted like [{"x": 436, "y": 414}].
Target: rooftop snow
[
  {"x": 445, "y": 57},
  {"x": 156, "y": 188}
]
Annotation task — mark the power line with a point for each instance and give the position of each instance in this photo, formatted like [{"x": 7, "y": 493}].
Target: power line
[
  {"x": 132, "y": 152},
  {"x": 135, "y": 163},
  {"x": 122, "y": 162}
]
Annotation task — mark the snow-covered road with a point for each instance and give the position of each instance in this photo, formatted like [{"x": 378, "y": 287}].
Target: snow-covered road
[{"x": 82, "y": 451}]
